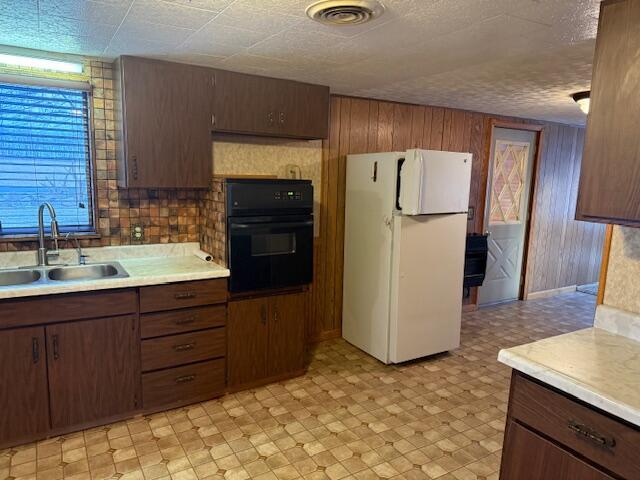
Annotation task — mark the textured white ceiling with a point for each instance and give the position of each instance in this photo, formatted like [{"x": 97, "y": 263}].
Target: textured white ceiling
[{"x": 513, "y": 57}]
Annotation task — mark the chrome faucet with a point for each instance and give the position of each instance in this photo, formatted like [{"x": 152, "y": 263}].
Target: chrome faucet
[
  {"x": 82, "y": 258},
  {"x": 43, "y": 252}
]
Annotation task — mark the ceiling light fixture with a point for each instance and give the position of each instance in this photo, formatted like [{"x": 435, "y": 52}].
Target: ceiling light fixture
[
  {"x": 583, "y": 100},
  {"x": 344, "y": 12},
  {"x": 40, "y": 63}
]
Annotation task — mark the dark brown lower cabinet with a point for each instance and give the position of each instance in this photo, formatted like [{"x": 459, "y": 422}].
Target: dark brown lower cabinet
[
  {"x": 94, "y": 369},
  {"x": 247, "y": 341},
  {"x": 23, "y": 387},
  {"x": 266, "y": 338},
  {"x": 529, "y": 456},
  {"x": 286, "y": 334},
  {"x": 553, "y": 436}
]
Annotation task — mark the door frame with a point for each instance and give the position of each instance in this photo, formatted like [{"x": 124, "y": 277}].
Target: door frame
[{"x": 527, "y": 252}]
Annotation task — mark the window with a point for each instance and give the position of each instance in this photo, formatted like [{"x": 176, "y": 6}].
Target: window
[{"x": 44, "y": 157}]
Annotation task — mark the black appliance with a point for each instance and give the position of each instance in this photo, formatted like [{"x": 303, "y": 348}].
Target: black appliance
[
  {"x": 269, "y": 233},
  {"x": 475, "y": 261}
]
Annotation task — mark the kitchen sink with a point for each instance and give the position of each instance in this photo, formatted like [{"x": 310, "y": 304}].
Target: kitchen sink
[
  {"x": 42, "y": 275},
  {"x": 18, "y": 277},
  {"x": 86, "y": 272}
]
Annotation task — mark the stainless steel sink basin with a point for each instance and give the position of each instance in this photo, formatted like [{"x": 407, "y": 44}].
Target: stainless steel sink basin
[
  {"x": 87, "y": 272},
  {"x": 9, "y": 278}
]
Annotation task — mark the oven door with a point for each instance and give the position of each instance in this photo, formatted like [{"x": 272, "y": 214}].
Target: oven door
[{"x": 270, "y": 252}]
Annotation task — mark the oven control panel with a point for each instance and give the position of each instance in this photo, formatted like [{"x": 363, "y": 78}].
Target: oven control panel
[
  {"x": 246, "y": 197},
  {"x": 288, "y": 195}
]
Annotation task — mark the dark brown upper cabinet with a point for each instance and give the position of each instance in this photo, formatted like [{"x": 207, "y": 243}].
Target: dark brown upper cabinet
[
  {"x": 252, "y": 105},
  {"x": 166, "y": 124},
  {"x": 609, "y": 189}
]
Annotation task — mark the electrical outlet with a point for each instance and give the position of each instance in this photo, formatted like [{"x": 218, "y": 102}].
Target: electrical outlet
[{"x": 137, "y": 233}]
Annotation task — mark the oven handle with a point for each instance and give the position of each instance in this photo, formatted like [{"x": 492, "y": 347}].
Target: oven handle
[{"x": 242, "y": 226}]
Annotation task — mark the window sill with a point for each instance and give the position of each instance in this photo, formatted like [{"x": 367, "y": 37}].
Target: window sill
[{"x": 34, "y": 237}]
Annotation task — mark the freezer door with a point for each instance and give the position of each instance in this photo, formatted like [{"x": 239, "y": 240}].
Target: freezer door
[
  {"x": 369, "y": 200},
  {"x": 426, "y": 292},
  {"x": 433, "y": 182}
]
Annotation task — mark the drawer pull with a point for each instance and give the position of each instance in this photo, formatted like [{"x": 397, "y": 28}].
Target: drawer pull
[
  {"x": 185, "y": 379},
  {"x": 185, "y": 295},
  {"x": 589, "y": 434},
  {"x": 184, "y": 347},
  {"x": 185, "y": 321}
]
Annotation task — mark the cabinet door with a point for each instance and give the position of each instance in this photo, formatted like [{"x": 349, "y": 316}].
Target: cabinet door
[
  {"x": 94, "y": 369},
  {"x": 286, "y": 334},
  {"x": 167, "y": 124},
  {"x": 303, "y": 110},
  {"x": 527, "y": 455},
  {"x": 24, "y": 400},
  {"x": 247, "y": 341},
  {"x": 269, "y": 106},
  {"x": 244, "y": 103},
  {"x": 610, "y": 174}
]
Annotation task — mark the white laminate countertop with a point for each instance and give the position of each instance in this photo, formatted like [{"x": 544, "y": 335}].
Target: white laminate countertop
[
  {"x": 146, "y": 265},
  {"x": 594, "y": 365}
]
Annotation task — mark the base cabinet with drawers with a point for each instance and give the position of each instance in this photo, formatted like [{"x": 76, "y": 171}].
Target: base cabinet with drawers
[
  {"x": 79, "y": 360},
  {"x": 552, "y": 436},
  {"x": 183, "y": 346},
  {"x": 266, "y": 339}
]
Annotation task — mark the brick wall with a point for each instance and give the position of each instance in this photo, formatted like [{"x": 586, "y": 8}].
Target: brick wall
[{"x": 168, "y": 216}]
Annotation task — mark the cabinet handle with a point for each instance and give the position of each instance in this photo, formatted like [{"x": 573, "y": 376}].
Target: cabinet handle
[
  {"x": 275, "y": 314},
  {"x": 589, "y": 434},
  {"x": 56, "y": 347},
  {"x": 184, "y": 347},
  {"x": 281, "y": 118},
  {"x": 185, "y": 321},
  {"x": 185, "y": 295},
  {"x": 185, "y": 379},
  {"x": 35, "y": 349},
  {"x": 134, "y": 166},
  {"x": 263, "y": 315},
  {"x": 213, "y": 120},
  {"x": 271, "y": 118}
]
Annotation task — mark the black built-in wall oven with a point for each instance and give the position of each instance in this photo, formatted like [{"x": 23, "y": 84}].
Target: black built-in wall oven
[{"x": 269, "y": 233}]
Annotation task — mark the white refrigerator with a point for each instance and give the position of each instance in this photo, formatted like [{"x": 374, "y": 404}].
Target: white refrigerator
[{"x": 405, "y": 233}]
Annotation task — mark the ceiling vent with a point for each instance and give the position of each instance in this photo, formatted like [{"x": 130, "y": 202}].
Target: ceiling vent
[{"x": 344, "y": 12}]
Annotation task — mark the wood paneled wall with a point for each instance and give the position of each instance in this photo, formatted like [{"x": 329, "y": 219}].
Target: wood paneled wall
[
  {"x": 359, "y": 125},
  {"x": 563, "y": 251}
]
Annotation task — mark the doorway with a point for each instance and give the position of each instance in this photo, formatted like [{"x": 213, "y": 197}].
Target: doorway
[{"x": 506, "y": 217}]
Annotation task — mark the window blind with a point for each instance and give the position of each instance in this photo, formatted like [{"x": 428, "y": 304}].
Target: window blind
[{"x": 44, "y": 157}]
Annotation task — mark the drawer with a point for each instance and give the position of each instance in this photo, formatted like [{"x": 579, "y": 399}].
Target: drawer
[
  {"x": 183, "y": 294},
  {"x": 177, "y": 350},
  {"x": 596, "y": 436},
  {"x": 72, "y": 306},
  {"x": 181, "y": 321},
  {"x": 183, "y": 385}
]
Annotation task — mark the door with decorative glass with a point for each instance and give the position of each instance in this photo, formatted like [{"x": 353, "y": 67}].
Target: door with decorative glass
[{"x": 506, "y": 215}]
